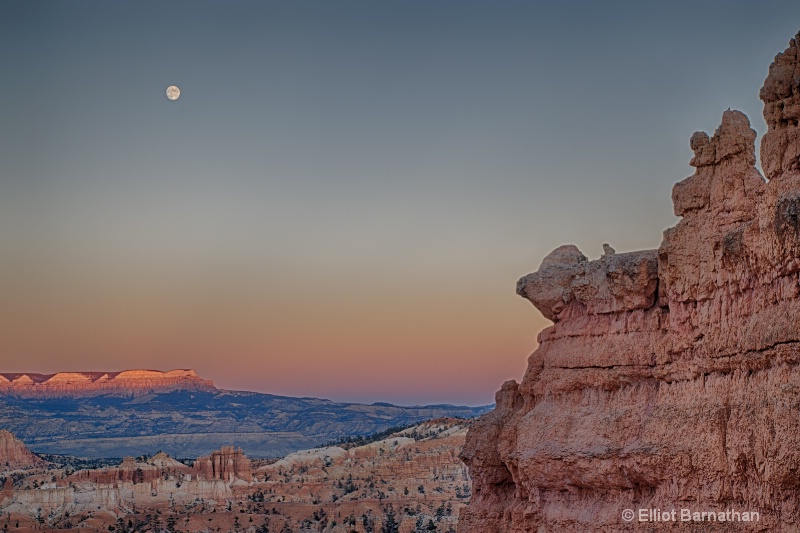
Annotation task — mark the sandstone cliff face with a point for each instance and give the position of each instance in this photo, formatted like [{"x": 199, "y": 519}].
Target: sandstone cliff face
[
  {"x": 670, "y": 377},
  {"x": 14, "y": 455}
]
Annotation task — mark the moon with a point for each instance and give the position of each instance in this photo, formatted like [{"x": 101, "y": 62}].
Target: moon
[{"x": 173, "y": 93}]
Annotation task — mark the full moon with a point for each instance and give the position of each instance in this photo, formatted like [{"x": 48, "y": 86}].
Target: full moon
[{"x": 173, "y": 93}]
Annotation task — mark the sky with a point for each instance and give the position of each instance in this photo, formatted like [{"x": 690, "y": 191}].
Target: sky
[{"x": 341, "y": 201}]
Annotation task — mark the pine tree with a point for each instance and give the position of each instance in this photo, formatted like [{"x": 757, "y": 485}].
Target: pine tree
[{"x": 390, "y": 525}]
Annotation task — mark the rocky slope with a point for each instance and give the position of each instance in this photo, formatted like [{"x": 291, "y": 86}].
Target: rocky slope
[
  {"x": 140, "y": 412},
  {"x": 670, "y": 377}
]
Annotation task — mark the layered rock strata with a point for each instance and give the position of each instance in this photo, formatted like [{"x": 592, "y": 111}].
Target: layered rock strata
[{"x": 669, "y": 378}]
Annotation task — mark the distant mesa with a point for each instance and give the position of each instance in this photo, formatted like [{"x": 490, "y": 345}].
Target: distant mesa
[
  {"x": 135, "y": 412},
  {"x": 128, "y": 382}
]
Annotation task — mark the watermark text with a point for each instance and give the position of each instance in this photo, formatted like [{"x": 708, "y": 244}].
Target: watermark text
[{"x": 689, "y": 515}]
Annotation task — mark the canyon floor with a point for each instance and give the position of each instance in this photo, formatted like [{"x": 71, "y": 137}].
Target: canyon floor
[{"x": 407, "y": 481}]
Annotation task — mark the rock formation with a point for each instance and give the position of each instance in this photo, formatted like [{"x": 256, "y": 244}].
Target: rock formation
[
  {"x": 14, "y": 455},
  {"x": 128, "y": 382},
  {"x": 670, "y": 377},
  {"x": 227, "y": 464}
]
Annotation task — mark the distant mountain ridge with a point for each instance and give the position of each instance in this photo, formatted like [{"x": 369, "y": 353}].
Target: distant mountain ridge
[
  {"x": 135, "y": 412},
  {"x": 130, "y": 382}
]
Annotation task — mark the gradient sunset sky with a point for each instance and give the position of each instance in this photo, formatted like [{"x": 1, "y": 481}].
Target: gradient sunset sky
[{"x": 340, "y": 203}]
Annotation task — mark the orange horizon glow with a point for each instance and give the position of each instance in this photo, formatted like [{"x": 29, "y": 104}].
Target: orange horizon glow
[{"x": 343, "y": 337}]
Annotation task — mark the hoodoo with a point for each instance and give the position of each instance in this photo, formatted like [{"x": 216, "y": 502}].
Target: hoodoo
[{"x": 670, "y": 378}]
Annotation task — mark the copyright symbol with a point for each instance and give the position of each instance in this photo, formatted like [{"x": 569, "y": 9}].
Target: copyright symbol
[{"x": 627, "y": 515}]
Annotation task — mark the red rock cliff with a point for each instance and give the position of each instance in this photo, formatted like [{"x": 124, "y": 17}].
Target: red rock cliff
[
  {"x": 670, "y": 378},
  {"x": 14, "y": 454}
]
